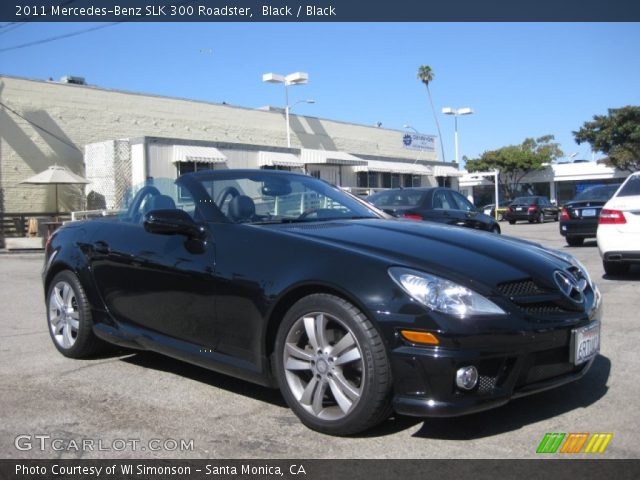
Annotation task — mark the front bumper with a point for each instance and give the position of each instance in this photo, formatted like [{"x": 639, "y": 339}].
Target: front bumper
[{"x": 514, "y": 365}]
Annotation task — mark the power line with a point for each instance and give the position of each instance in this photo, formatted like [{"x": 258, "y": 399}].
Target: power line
[
  {"x": 41, "y": 128},
  {"x": 58, "y": 37},
  {"x": 11, "y": 28}
]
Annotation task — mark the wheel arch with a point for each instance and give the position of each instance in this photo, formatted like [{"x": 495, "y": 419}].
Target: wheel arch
[{"x": 291, "y": 296}]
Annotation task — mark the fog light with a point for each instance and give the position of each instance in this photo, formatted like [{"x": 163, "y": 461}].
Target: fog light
[{"x": 467, "y": 377}]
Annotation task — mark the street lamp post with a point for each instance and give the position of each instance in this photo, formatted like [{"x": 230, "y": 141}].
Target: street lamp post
[
  {"x": 297, "y": 78},
  {"x": 456, "y": 113}
]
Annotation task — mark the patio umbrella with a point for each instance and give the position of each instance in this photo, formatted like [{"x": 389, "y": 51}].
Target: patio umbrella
[{"x": 56, "y": 175}]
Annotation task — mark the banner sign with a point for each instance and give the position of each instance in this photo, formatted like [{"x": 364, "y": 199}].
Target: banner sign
[{"x": 418, "y": 141}]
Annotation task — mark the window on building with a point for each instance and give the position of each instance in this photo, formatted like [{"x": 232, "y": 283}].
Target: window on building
[
  {"x": 386, "y": 179},
  {"x": 396, "y": 180},
  {"x": 367, "y": 179},
  {"x": 190, "y": 167}
]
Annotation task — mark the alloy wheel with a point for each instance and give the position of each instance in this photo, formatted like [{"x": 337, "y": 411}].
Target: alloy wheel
[
  {"x": 323, "y": 365},
  {"x": 64, "y": 317}
]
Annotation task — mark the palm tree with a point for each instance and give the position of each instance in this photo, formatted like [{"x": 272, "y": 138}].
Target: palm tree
[{"x": 425, "y": 75}]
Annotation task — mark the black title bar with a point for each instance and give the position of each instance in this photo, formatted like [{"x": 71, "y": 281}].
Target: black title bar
[{"x": 319, "y": 10}]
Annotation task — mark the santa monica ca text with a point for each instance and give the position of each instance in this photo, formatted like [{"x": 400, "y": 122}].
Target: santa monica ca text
[{"x": 142, "y": 469}]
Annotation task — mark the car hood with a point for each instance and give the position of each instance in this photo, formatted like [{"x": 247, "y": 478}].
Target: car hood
[{"x": 464, "y": 255}]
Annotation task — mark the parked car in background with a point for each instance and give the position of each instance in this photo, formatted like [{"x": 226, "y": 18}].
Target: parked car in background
[
  {"x": 502, "y": 209},
  {"x": 618, "y": 233},
  {"x": 437, "y": 204},
  {"x": 534, "y": 208},
  {"x": 284, "y": 280},
  {"x": 579, "y": 217}
]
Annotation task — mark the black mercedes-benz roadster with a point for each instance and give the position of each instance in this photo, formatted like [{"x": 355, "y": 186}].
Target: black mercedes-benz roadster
[{"x": 284, "y": 280}]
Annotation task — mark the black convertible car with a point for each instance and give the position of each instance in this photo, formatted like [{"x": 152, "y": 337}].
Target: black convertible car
[{"x": 284, "y": 280}]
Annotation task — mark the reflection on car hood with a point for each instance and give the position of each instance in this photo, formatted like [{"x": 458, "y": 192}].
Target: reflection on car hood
[{"x": 458, "y": 253}]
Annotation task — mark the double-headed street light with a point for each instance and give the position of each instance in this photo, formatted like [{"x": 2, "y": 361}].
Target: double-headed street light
[
  {"x": 297, "y": 78},
  {"x": 456, "y": 113}
]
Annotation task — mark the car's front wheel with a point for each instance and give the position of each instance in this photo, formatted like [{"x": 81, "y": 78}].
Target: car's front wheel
[
  {"x": 575, "y": 241},
  {"x": 332, "y": 366},
  {"x": 69, "y": 317}
]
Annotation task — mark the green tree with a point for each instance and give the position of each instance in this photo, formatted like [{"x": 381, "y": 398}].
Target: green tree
[
  {"x": 617, "y": 135},
  {"x": 515, "y": 161},
  {"x": 425, "y": 75}
]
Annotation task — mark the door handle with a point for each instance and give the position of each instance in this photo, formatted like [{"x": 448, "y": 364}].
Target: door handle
[{"x": 101, "y": 247}]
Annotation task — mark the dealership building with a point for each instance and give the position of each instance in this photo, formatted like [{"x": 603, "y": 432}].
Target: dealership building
[
  {"x": 560, "y": 182},
  {"x": 117, "y": 139}
]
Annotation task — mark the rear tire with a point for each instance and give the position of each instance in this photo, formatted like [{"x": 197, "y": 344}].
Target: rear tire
[
  {"x": 615, "y": 268},
  {"x": 495, "y": 229},
  {"x": 69, "y": 317},
  {"x": 332, "y": 366},
  {"x": 575, "y": 241},
  {"x": 512, "y": 222}
]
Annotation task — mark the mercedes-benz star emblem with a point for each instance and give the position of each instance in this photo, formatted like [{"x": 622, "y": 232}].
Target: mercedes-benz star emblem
[{"x": 571, "y": 287}]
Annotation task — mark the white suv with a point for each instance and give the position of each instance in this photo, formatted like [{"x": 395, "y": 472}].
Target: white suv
[{"x": 619, "y": 228}]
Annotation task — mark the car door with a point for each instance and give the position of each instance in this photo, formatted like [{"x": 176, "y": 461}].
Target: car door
[
  {"x": 156, "y": 282},
  {"x": 472, "y": 218},
  {"x": 445, "y": 209}
]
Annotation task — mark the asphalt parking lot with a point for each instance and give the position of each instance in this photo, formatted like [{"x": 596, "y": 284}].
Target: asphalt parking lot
[{"x": 150, "y": 405}]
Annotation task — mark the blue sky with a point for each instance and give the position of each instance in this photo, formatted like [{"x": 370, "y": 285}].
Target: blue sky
[{"x": 522, "y": 79}]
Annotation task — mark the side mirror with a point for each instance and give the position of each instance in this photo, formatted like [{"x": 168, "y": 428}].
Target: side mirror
[{"x": 173, "y": 222}]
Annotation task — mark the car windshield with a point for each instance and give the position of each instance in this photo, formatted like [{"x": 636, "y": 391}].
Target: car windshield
[
  {"x": 601, "y": 192},
  {"x": 527, "y": 200},
  {"x": 631, "y": 187},
  {"x": 267, "y": 197}
]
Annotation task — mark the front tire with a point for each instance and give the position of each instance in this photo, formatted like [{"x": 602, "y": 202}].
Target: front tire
[
  {"x": 575, "y": 241},
  {"x": 69, "y": 317},
  {"x": 332, "y": 366}
]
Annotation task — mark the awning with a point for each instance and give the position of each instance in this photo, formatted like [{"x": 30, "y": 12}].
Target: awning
[
  {"x": 278, "y": 159},
  {"x": 329, "y": 157},
  {"x": 193, "y": 153},
  {"x": 442, "y": 171},
  {"x": 394, "y": 167}
]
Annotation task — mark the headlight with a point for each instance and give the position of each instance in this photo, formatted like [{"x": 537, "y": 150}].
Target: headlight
[{"x": 443, "y": 295}]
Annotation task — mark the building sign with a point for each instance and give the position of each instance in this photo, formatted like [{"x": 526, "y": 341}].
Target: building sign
[{"x": 418, "y": 141}]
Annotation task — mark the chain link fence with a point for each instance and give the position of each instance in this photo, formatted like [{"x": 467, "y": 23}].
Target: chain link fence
[{"x": 108, "y": 168}]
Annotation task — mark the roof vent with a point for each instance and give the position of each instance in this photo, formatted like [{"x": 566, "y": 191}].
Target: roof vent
[{"x": 73, "y": 80}]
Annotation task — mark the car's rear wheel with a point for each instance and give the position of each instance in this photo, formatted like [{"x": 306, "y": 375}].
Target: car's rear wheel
[
  {"x": 615, "y": 268},
  {"x": 575, "y": 241},
  {"x": 512, "y": 222},
  {"x": 332, "y": 366},
  {"x": 495, "y": 229},
  {"x": 69, "y": 317}
]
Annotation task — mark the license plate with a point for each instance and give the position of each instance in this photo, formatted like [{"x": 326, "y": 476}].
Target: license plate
[
  {"x": 585, "y": 343},
  {"x": 519, "y": 209},
  {"x": 589, "y": 212}
]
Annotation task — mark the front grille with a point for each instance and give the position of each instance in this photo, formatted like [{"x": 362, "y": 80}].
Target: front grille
[
  {"x": 545, "y": 372},
  {"x": 486, "y": 384},
  {"x": 520, "y": 288}
]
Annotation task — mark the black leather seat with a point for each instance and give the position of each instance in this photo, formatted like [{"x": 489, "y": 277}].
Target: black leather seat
[{"x": 241, "y": 209}]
